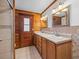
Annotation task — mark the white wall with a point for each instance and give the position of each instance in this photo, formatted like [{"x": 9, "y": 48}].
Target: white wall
[
  {"x": 74, "y": 21},
  {"x": 74, "y": 12},
  {"x": 6, "y": 50}
]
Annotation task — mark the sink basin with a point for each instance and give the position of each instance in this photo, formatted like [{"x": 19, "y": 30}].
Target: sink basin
[
  {"x": 63, "y": 35},
  {"x": 57, "y": 35}
]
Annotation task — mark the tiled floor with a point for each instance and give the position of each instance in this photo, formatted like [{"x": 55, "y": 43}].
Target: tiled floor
[{"x": 27, "y": 53}]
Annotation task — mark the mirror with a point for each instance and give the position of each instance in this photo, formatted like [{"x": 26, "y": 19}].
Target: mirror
[{"x": 62, "y": 17}]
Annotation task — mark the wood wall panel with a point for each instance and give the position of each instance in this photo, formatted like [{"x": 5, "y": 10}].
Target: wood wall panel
[
  {"x": 37, "y": 17},
  {"x": 37, "y": 22},
  {"x": 17, "y": 31},
  {"x": 35, "y": 26},
  {"x": 23, "y": 38}
]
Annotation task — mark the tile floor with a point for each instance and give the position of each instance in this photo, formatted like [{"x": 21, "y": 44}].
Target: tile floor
[{"x": 27, "y": 53}]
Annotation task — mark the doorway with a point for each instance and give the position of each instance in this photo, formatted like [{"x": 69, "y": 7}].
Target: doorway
[{"x": 23, "y": 30}]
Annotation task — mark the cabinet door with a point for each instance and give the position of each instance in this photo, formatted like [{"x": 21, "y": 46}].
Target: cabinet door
[
  {"x": 39, "y": 44},
  {"x": 34, "y": 41},
  {"x": 64, "y": 51},
  {"x": 50, "y": 50},
  {"x": 43, "y": 48}
]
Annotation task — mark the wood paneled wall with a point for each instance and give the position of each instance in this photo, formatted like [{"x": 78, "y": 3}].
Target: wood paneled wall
[{"x": 37, "y": 17}]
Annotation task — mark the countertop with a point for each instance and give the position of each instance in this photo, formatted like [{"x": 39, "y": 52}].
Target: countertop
[{"x": 53, "y": 38}]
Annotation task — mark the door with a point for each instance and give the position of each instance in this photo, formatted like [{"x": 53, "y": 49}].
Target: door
[
  {"x": 17, "y": 31},
  {"x": 26, "y": 25}
]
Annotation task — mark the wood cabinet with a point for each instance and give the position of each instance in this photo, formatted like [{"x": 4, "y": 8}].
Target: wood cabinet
[
  {"x": 64, "y": 51},
  {"x": 43, "y": 48},
  {"x": 34, "y": 39},
  {"x": 38, "y": 42},
  {"x": 59, "y": 51},
  {"x": 50, "y": 50}
]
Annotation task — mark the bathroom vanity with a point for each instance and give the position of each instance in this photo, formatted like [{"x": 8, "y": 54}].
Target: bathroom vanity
[{"x": 53, "y": 47}]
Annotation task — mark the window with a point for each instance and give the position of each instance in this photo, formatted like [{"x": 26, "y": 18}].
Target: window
[{"x": 26, "y": 24}]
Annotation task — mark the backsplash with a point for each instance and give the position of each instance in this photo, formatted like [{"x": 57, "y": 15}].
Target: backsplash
[{"x": 66, "y": 30}]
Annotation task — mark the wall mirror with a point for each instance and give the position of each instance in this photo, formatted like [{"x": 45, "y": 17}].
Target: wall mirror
[{"x": 62, "y": 17}]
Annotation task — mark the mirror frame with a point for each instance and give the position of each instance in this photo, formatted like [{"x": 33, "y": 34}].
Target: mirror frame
[{"x": 67, "y": 16}]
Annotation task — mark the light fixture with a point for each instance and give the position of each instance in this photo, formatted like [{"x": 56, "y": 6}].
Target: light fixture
[
  {"x": 60, "y": 7},
  {"x": 58, "y": 13},
  {"x": 53, "y": 11},
  {"x": 44, "y": 17},
  {"x": 66, "y": 9}
]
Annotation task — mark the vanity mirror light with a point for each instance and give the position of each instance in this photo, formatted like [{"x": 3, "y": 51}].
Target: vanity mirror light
[{"x": 61, "y": 17}]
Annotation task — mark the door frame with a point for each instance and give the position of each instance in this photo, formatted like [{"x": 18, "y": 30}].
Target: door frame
[
  {"x": 19, "y": 12},
  {"x": 13, "y": 30}
]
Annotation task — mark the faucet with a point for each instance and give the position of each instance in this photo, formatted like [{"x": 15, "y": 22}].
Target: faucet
[{"x": 56, "y": 33}]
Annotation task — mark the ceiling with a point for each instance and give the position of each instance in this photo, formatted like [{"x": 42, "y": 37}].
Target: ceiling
[{"x": 33, "y": 5}]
